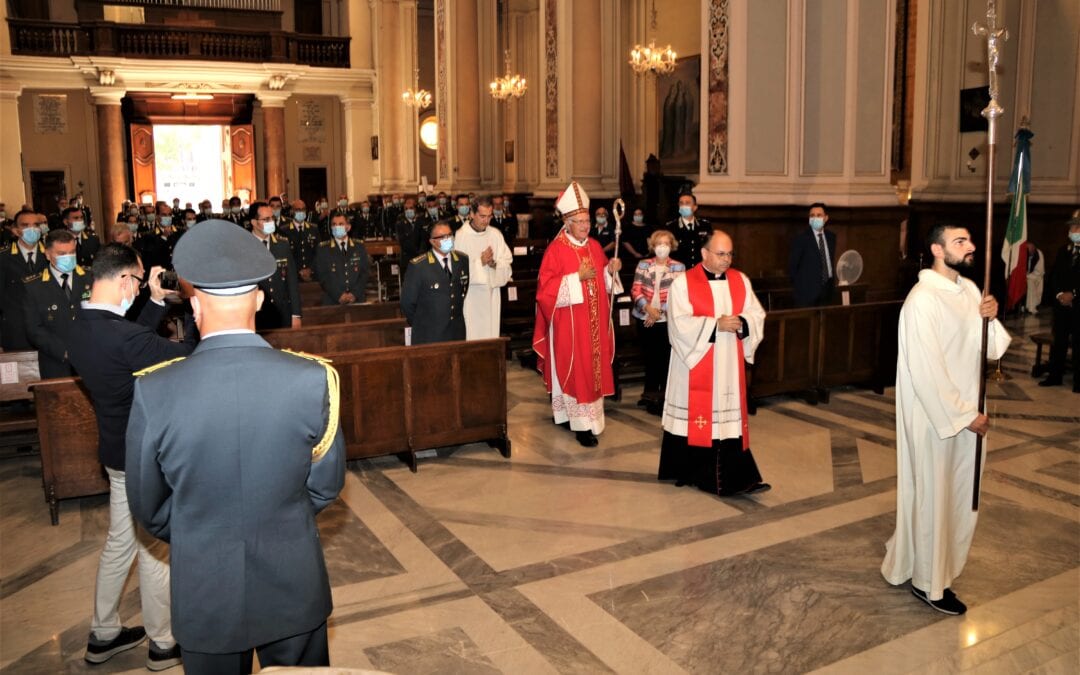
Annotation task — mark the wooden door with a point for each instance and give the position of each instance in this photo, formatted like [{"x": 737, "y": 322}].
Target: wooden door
[
  {"x": 242, "y": 147},
  {"x": 142, "y": 162},
  {"x": 46, "y": 189},
  {"x": 312, "y": 185}
]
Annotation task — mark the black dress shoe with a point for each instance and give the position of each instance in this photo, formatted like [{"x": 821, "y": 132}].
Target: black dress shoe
[
  {"x": 948, "y": 604},
  {"x": 588, "y": 439},
  {"x": 1050, "y": 382},
  {"x": 757, "y": 487}
]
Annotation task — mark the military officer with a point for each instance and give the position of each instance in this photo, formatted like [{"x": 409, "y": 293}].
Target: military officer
[
  {"x": 281, "y": 303},
  {"x": 86, "y": 242},
  {"x": 19, "y": 262},
  {"x": 341, "y": 264},
  {"x": 52, "y": 296},
  {"x": 434, "y": 290},
  {"x": 236, "y": 488},
  {"x": 461, "y": 215},
  {"x": 303, "y": 240},
  {"x": 156, "y": 246},
  {"x": 410, "y": 231},
  {"x": 501, "y": 219}
]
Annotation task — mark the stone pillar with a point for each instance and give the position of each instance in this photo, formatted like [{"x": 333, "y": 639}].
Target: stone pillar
[
  {"x": 396, "y": 63},
  {"x": 273, "y": 114},
  {"x": 459, "y": 85},
  {"x": 113, "y": 163},
  {"x": 12, "y": 188},
  {"x": 361, "y": 172}
]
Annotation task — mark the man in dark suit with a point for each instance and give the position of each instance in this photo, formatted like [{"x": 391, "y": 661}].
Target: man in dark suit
[
  {"x": 236, "y": 488},
  {"x": 341, "y": 264},
  {"x": 812, "y": 261},
  {"x": 434, "y": 290},
  {"x": 52, "y": 297},
  {"x": 691, "y": 233},
  {"x": 502, "y": 220},
  {"x": 19, "y": 262},
  {"x": 106, "y": 350},
  {"x": 303, "y": 240},
  {"x": 281, "y": 307},
  {"x": 86, "y": 242},
  {"x": 410, "y": 231},
  {"x": 1064, "y": 286}
]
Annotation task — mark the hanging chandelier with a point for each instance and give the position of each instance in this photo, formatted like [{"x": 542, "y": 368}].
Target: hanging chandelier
[
  {"x": 416, "y": 97},
  {"x": 652, "y": 59},
  {"x": 508, "y": 86}
]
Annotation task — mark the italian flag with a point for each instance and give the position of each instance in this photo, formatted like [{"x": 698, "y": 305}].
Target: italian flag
[{"x": 1013, "y": 249}]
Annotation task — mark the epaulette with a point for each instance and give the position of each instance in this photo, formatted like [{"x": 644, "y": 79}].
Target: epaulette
[
  {"x": 334, "y": 394},
  {"x": 158, "y": 366},
  {"x": 420, "y": 258},
  {"x": 328, "y": 243}
]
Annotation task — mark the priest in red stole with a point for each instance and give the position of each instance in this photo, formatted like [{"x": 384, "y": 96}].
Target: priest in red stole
[
  {"x": 715, "y": 323},
  {"x": 573, "y": 337}
]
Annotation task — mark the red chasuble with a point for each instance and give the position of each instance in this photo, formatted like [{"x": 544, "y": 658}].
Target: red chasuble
[
  {"x": 702, "y": 378},
  {"x": 583, "y": 339}
]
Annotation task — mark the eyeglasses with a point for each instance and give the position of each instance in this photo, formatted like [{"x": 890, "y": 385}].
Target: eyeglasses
[
  {"x": 723, "y": 254},
  {"x": 445, "y": 236},
  {"x": 142, "y": 281}
]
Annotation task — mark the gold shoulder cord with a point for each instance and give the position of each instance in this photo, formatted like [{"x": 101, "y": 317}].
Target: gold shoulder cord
[
  {"x": 157, "y": 366},
  {"x": 333, "y": 388}
]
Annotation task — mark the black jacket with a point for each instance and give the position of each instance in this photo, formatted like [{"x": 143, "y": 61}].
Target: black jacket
[
  {"x": 804, "y": 267},
  {"x": 281, "y": 301},
  {"x": 342, "y": 272},
  {"x": 106, "y": 349},
  {"x": 49, "y": 314},
  {"x": 432, "y": 304},
  {"x": 13, "y": 274},
  {"x": 1065, "y": 274},
  {"x": 690, "y": 240}
]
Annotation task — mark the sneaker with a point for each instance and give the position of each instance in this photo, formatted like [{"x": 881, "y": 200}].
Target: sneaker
[
  {"x": 163, "y": 659},
  {"x": 99, "y": 651},
  {"x": 948, "y": 604}
]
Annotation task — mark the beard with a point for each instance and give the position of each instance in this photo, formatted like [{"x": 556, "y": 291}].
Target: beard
[{"x": 960, "y": 264}]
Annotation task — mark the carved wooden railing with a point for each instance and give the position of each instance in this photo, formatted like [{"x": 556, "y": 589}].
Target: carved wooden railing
[{"x": 102, "y": 38}]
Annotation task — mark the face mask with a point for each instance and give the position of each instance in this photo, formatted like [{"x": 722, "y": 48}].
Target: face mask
[
  {"x": 342, "y": 203},
  {"x": 151, "y": 217},
  {"x": 3, "y": 215},
  {"x": 208, "y": 212},
  {"x": 338, "y": 231},
  {"x": 433, "y": 212},
  {"x": 176, "y": 203},
  {"x": 463, "y": 211},
  {"x": 43, "y": 229},
  {"x": 398, "y": 202},
  {"x": 126, "y": 303},
  {"x": 323, "y": 205},
  {"x": 497, "y": 213},
  {"x": 685, "y": 211},
  {"x": 237, "y": 209},
  {"x": 817, "y": 223},
  {"x": 277, "y": 213},
  {"x": 446, "y": 245},
  {"x": 65, "y": 263},
  {"x": 268, "y": 228},
  {"x": 189, "y": 223},
  {"x": 166, "y": 221},
  {"x": 662, "y": 250},
  {"x": 601, "y": 220},
  {"x": 442, "y": 201},
  {"x": 300, "y": 216},
  {"x": 410, "y": 214},
  {"x": 639, "y": 219},
  {"x": 366, "y": 210},
  {"x": 31, "y": 235},
  {"x": 78, "y": 225},
  {"x": 133, "y": 227},
  {"x": 1074, "y": 237},
  {"x": 133, "y": 212}
]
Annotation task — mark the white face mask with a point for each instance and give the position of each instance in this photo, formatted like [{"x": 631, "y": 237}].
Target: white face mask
[{"x": 662, "y": 250}]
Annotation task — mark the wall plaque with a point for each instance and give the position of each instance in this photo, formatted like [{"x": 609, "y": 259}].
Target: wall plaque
[{"x": 50, "y": 113}]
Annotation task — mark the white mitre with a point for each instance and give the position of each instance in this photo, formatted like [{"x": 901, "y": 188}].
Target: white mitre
[{"x": 573, "y": 200}]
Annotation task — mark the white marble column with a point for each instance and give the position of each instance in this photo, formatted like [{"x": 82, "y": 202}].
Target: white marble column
[
  {"x": 13, "y": 190},
  {"x": 395, "y": 66},
  {"x": 359, "y": 116}
]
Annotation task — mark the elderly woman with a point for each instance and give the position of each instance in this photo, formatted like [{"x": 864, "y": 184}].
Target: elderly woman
[{"x": 652, "y": 279}]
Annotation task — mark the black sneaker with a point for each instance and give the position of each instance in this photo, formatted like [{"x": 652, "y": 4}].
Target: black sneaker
[
  {"x": 163, "y": 659},
  {"x": 98, "y": 651},
  {"x": 948, "y": 604}
]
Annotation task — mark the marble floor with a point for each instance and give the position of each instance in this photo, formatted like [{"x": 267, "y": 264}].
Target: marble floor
[{"x": 571, "y": 560}]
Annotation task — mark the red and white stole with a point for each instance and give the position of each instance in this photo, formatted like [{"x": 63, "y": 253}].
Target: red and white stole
[{"x": 699, "y": 410}]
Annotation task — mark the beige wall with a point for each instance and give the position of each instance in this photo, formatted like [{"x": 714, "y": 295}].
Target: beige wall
[
  {"x": 307, "y": 147},
  {"x": 73, "y": 152},
  {"x": 675, "y": 26}
]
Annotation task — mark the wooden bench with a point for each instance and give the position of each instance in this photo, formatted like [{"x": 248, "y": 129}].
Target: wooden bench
[
  {"x": 322, "y": 316},
  {"x": 1041, "y": 340},
  {"x": 518, "y": 314},
  {"x": 67, "y": 430},
  {"x": 18, "y": 370},
  {"x": 339, "y": 337}
]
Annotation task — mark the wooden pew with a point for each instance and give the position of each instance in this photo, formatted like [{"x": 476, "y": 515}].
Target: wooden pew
[
  {"x": 339, "y": 337},
  {"x": 18, "y": 370},
  {"x": 67, "y": 430},
  {"x": 401, "y": 400},
  {"x": 518, "y": 314},
  {"x": 322, "y": 316}
]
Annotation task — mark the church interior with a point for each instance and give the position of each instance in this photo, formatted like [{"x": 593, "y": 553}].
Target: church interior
[{"x": 473, "y": 535}]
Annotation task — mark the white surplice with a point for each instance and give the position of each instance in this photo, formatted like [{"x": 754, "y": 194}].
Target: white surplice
[
  {"x": 483, "y": 304},
  {"x": 689, "y": 336},
  {"x": 937, "y": 390},
  {"x": 1035, "y": 284}
]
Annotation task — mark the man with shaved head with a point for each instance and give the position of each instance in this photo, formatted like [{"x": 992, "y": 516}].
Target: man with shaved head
[{"x": 715, "y": 323}]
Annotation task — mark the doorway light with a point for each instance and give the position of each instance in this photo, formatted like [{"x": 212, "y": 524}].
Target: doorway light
[{"x": 191, "y": 96}]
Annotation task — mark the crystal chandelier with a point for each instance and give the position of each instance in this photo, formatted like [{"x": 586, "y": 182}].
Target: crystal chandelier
[
  {"x": 509, "y": 85},
  {"x": 416, "y": 98},
  {"x": 652, "y": 59}
]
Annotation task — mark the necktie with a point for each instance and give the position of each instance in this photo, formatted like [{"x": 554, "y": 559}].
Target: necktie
[
  {"x": 824, "y": 258},
  {"x": 30, "y": 261},
  {"x": 446, "y": 266},
  {"x": 343, "y": 250},
  {"x": 64, "y": 285}
]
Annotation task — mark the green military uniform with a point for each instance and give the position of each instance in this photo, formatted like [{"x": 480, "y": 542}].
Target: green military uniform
[{"x": 342, "y": 271}]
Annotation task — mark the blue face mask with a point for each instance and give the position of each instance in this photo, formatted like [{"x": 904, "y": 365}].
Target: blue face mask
[
  {"x": 338, "y": 231},
  {"x": 126, "y": 303},
  {"x": 601, "y": 220},
  {"x": 686, "y": 211},
  {"x": 463, "y": 211},
  {"x": 133, "y": 227},
  {"x": 190, "y": 223},
  {"x": 497, "y": 213},
  {"x": 277, "y": 213},
  {"x": 410, "y": 214},
  {"x": 151, "y": 217},
  {"x": 442, "y": 201},
  {"x": 638, "y": 218},
  {"x": 268, "y": 228},
  {"x": 433, "y": 212},
  {"x": 446, "y": 245},
  {"x": 65, "y": 263},
  {"x": 300, "y": 216},
  {"x": 78, "y": 225},
  {"x": 817, "y": 223},
  {"x": 31, "y": 235},
  {"x": 166, "y": 221},
  {"x": 1074, "y": 237}
]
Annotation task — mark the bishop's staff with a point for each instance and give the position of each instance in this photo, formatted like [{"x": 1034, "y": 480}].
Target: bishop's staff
[
  {"x": 618, "y": 209},
  {"x": 991, "y": 112}
]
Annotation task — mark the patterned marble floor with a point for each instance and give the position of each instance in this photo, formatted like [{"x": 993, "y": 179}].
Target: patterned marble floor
[{"x": 573, "y": 560}]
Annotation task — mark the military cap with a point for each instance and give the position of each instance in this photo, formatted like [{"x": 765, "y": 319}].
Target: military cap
[{"x": 220, "y": 258}]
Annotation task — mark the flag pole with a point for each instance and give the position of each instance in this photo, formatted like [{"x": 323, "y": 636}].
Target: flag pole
[{"x": 992, "y": 112}]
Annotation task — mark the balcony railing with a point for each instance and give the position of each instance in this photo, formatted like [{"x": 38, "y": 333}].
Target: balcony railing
[{"x": 46, "y": 38}]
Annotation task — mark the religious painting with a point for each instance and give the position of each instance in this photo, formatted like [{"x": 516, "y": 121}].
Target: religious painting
[
  {"x": 972, "y": 103},
  {"x": 678, "y": 112},
  {"x": 508, "y": 152}
]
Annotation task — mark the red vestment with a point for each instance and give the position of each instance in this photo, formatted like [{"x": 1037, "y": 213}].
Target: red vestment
[{"x": 581, "y": 335}]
